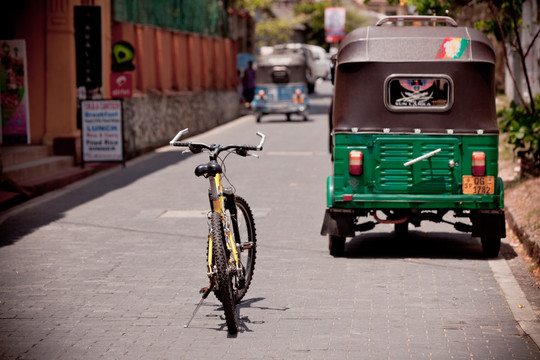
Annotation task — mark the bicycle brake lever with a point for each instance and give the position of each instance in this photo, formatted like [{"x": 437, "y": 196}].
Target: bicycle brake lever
[{"x": 254, "y": 155}]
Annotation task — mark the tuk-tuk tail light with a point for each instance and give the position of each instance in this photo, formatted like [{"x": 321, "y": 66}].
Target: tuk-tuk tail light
[
  {"x": 356, "y": 163},
  {"x": 478, "y": 167}
]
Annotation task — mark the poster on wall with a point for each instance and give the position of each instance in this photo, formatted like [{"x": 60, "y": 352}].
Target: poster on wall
[
  {"x": 102, "y": 131},
  {"x": 14, "y": 108}
]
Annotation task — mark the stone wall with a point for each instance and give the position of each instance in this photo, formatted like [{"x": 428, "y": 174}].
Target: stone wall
[{"x": 151, "y": 120}]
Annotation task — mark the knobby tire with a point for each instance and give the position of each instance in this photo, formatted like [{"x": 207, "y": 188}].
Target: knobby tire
[
  {"x": 223, "y": 276},
  {"x": 247, "y": 233}
]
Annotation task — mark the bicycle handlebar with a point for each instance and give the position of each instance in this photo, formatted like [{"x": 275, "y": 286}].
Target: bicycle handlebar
[{"x": 216, "y": 148}]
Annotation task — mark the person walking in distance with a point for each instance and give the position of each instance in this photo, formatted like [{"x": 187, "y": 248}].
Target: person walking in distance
[{"x": 248, "y": 83}]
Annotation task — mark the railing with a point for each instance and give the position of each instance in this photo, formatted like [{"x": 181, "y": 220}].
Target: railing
[{"x": 205, "y": 17}]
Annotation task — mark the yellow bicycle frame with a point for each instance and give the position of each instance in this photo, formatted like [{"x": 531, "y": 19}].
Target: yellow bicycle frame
[{"x": 218, "y": 205}]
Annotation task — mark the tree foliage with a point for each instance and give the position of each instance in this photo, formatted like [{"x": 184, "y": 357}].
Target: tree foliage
[
  {"x": 273, "y": 32},
  {"x": 429, "y": 7},
  {"x": 523, "y": 132},
  {"x": 250, "y": 5},
  {"x": 311, "y": 15}
]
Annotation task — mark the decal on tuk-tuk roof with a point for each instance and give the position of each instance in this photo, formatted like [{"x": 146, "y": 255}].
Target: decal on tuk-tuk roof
[
  {"x": 452, "y": 48},
  {"x": 418, "y": 92}
]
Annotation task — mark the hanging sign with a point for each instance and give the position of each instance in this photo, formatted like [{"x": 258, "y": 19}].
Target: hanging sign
[
  {"x": 123, "y": 54},
  {"x": 102, "y": 130},
  {"x": 121, "y": 85},
  {"x": 334, "y": 23},
  {"x": 88, "y": 46}
]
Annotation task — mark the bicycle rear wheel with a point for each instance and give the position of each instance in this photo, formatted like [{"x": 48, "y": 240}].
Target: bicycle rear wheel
[
  {"x": 223, "y": 273},
  {"x": 248, "y": 247}
]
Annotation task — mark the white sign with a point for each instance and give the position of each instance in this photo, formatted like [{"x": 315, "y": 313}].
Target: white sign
[{"x": 102, "y": 130}]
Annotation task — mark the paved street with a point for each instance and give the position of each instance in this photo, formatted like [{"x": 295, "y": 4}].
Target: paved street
[{"x": 110, "y": 268}]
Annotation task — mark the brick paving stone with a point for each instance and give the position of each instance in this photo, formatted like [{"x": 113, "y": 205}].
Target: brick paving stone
[{"x": 97, "y": 273}]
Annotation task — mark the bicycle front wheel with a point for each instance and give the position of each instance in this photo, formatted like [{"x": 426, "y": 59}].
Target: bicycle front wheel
[
  {"x": 223, "y": 273},
  {"x": 248, "y": 247}
]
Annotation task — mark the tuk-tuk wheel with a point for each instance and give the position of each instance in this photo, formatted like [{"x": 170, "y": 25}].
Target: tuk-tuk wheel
[
  {"x": 402, "y": 230},
  {"x": 258, "y": 117},
  {"x": 491, "y": 246},
  {"x": 288, "y": 117},
  {"x": 306, "y": 118},
  {"x": 336, "y": 245}
]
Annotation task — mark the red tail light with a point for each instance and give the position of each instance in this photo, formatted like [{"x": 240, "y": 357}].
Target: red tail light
[
  {"x": 356, "y": 162},
  {"x": 478, "y": 163}
]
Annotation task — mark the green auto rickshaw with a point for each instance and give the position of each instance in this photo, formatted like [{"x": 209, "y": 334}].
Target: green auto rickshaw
[{"x": 414, "y": 132}]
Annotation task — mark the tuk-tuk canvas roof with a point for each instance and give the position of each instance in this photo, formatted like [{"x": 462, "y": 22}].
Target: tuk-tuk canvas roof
[
  {"x": 369, "y": 57},
  {"x": 415, "y": 43}
]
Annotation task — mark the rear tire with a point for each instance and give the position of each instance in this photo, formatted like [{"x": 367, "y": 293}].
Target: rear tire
[
  {"x": 247, "y": 234},
  {"x": 223, "y": 273},
  {"x": 336, "y": 245},
  {"x": 402, "y": 230},
  {"x": 491, "y": 246}
]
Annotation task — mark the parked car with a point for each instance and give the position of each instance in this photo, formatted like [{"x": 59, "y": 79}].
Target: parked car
[{"x": 321, "y": 68}]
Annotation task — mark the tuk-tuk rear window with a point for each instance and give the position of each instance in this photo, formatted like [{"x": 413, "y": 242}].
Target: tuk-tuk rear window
[{"x": 418, "y": 93}]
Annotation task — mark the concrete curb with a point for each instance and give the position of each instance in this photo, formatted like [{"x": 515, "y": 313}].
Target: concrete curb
[
  {"x": 516, "y": 299},
  {"x": 531, "y": 245}
]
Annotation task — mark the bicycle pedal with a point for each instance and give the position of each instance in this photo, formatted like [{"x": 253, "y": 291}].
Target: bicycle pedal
[
  {"x": 203, "y": 290},
  {"x": 246, "y": 245}
]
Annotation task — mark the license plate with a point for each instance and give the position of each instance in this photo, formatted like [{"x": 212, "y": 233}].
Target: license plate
[{"x": 478, "y": 185}]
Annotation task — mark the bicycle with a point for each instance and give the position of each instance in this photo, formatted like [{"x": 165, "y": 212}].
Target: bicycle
[{"x": 232, "y": 241}]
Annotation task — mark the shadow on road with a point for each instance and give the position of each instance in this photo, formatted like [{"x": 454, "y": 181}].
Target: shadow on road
[
  {"x": 438, "y": 245},
  {"x": 18, "y": 225}
]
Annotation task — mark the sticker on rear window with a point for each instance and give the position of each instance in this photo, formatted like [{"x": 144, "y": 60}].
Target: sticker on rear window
[{"x": 418, "y": 92}]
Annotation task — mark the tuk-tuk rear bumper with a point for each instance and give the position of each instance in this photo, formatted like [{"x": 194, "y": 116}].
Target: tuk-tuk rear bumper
[
  {"x": 279, "y": 108},
  {"x": 390, "y": 201},
  {"x": 485, "y": 212},
  {"x": 417, "y": 201}
]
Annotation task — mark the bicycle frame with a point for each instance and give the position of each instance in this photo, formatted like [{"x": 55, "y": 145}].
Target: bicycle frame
[{"x": 218, "y": 204}]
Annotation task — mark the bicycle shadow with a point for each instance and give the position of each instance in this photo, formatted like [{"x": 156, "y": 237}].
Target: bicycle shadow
[{"x": 244, "y": 321}]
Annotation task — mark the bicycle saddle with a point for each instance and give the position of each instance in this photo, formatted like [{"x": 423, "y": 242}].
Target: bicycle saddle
[{"x": 209, "y": 169}]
